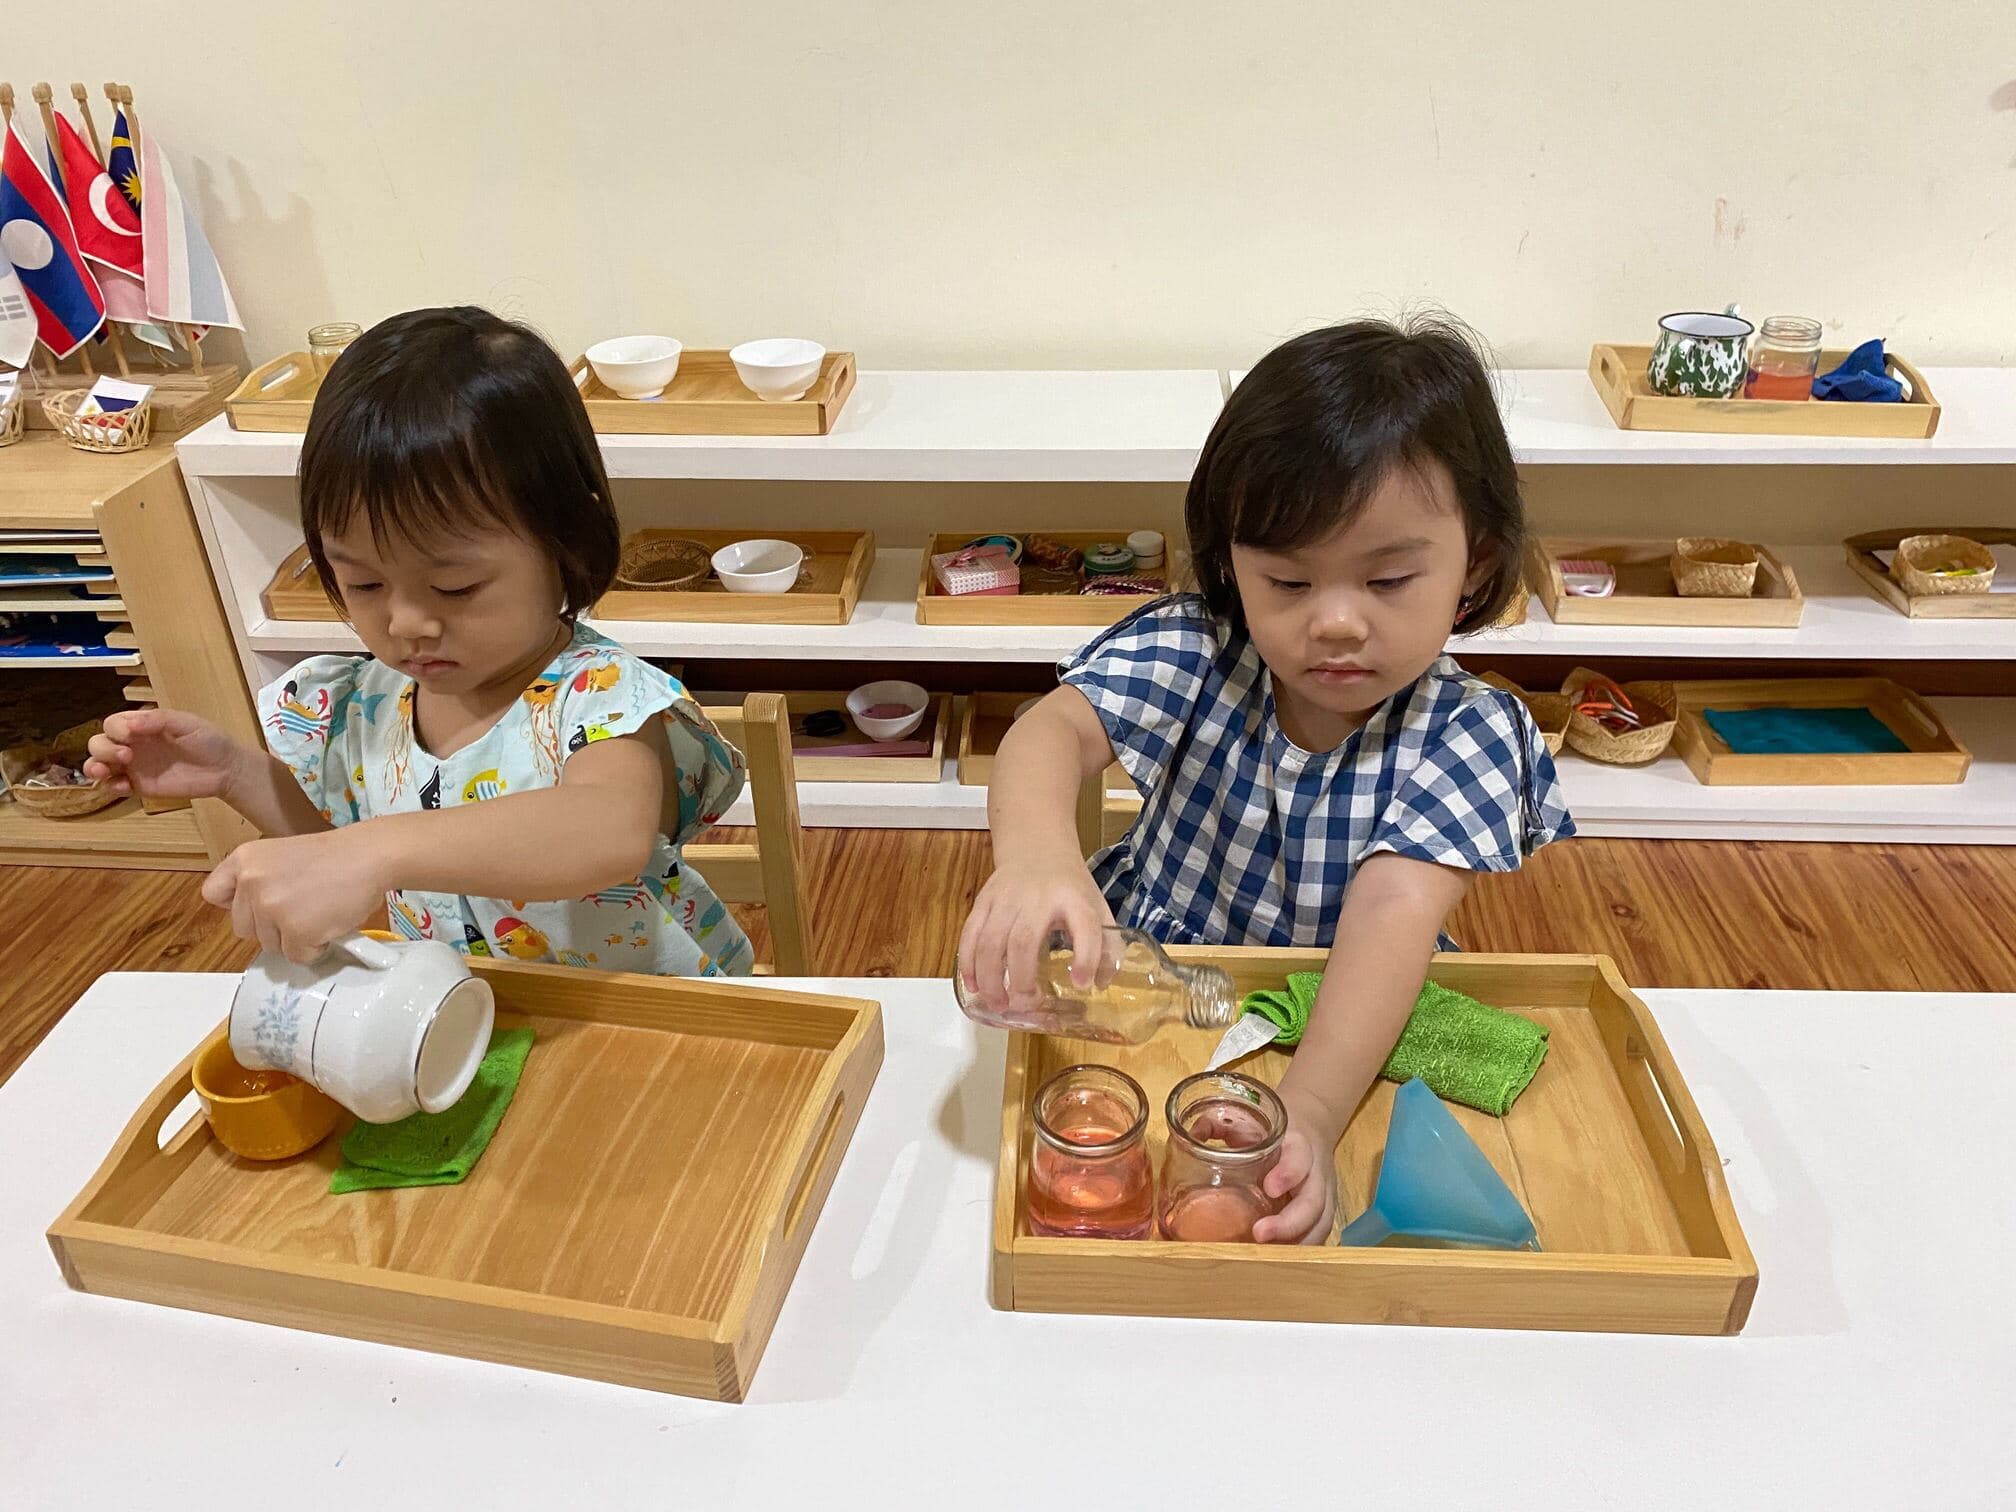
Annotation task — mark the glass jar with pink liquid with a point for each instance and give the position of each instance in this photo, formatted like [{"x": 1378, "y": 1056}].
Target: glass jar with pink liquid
[
  {"x": 1224, "y": 1137},
  {"x": 1089, "y": 1175}
]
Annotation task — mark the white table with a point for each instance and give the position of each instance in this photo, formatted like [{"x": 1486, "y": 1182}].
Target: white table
[{"x": 1866, "y": 1144}]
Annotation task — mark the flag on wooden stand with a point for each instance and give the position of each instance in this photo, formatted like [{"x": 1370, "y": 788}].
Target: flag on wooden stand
[
  {"x": 17, "y": 320},
  {"x": 184, "y": 283},
  {"x": 37, "y": 238}
]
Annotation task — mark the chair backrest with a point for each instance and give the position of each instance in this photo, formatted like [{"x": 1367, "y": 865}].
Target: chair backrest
[
  {"x": 1103, "y": 816},
  {"x": 769, "y": 871}
]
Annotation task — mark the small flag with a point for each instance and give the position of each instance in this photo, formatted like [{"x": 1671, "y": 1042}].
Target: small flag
[
  {"x": 121, "y": 165},
  {"x": 17, "y": 321},
  {"x": 108, "y": 229},
  {"x": 184, "y": 283},
  {"x": 37, "y": 238}
]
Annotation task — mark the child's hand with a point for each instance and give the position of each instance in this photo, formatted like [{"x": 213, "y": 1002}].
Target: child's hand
[
  {"x": 1013, "y": 918},
  {"x": 296, "y": 894},
  {"x": 1306, "y": 1174},
  {"x": 164, "y": 753}
]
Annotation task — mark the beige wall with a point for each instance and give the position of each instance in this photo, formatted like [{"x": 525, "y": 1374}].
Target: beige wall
[{"x": 1093, "y": 183}]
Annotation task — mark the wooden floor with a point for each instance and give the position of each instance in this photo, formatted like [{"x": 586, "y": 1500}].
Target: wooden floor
[{"x": 1672, "y": 913}]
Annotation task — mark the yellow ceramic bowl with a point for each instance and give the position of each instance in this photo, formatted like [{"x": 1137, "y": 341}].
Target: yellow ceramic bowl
[{"x": 260, "y": 1125}]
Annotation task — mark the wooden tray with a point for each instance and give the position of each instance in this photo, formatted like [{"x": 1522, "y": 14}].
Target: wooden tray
[
  {"x": 937, "y": 607},
  {"x": 836, "y": 567},
  {"x": 1645, "y": 594},
  {"x": 1606, "y": 1150},
  {"x": 637, "y": 1219},
  {"x": 1864, "y": 563},
  {"x": 1618, "y": 372},
  {"x": 1936, "y": 754},
  {"x": 707, "y": 398},
  {"x": 983, "y": 723},
  {"x": 276, "y": 396},
  {"x": 180, "y": 401},
  {"x": 810, "y": 766}
]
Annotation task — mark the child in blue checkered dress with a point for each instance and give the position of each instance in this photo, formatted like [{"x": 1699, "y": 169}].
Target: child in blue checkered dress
[{"x": 1314, "y": 769}]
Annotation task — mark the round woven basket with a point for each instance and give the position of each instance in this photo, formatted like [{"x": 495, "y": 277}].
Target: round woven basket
[
  {"x": 1629, "y": 747},
  {"x": 1710, "y": 567},
  {"x": 56, "y": 802},
  {"x": 126, "y": 431},
  {"x": 1919, "y": 556},
  {"x": 13, "y": 421},
  {"x": 668, "y": 562}
]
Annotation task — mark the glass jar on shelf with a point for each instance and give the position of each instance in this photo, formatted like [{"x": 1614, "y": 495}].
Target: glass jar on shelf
[
  {"x": 1784, "y": 359},
  {"x": 1089, "y": 1174},
  {"x": 1225, "y": 1135},
  {"x": 326, "y": 343}
]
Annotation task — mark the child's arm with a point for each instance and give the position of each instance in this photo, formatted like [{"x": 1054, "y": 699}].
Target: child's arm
[
  {"x": 166, "y": 753},
  {"x": 1040, "y": 880},
  {"x": 592, "y": 831},
  {"x": 1393, "y": 913}
]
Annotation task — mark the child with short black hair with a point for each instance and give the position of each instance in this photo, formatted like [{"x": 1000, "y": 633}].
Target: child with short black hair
[
  {"x": 496, "y": 773},
  {"x": 1314, "y": 769}
]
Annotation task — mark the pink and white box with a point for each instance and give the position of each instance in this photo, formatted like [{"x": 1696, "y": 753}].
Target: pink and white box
[{"x": 977, "y": 571}]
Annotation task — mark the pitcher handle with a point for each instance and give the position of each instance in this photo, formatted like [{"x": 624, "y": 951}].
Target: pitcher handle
[{"x": 375, "y": 954}]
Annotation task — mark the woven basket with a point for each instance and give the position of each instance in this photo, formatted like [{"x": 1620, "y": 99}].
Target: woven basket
[
  {"x": 127, "y": 431},
  {"x": 1550, "y": 711},
  {"x": 13, "y": 420},
  {"x": 669, "y": 562},
  {"x": 1709, "y": 567},
  {"x": 56, "y": 803},
  {"x": 1631, "y": 747},
  {"x": 1918, "y": 555},
  {"x": 1514, "y": 612}
]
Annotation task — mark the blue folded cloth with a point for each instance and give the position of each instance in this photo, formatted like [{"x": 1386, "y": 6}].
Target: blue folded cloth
[{"x": 1862, "y": 377}]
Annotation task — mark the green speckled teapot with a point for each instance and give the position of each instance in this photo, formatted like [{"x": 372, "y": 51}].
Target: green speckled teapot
[{"x": 1701, "y": 356}]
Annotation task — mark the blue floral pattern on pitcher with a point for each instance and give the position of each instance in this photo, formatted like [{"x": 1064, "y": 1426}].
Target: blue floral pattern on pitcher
[{"x": 276, "y": 1032}]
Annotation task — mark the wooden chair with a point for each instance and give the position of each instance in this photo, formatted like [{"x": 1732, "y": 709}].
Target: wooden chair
[
  {"x": 768, "y": 872},
  {"x": 1102, "y": 816}
]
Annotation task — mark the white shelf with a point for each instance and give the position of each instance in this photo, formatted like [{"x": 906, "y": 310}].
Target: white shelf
[
  {"x": 1661, "y": 801},
  {"x": 969, "y": 427},
  {"x": 128, "y": 660},
  {"x": 1843, "y": 621}
]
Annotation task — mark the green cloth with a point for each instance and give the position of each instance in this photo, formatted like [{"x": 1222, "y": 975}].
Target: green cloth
[
  {"x": 436, "y": 1149},
  {"x": 1802, "y": 732},
  {"x": 1467, "y": 1051}
]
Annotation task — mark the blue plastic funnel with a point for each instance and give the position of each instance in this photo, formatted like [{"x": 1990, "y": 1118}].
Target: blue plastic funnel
[{"x": 1436, "y": 1187}]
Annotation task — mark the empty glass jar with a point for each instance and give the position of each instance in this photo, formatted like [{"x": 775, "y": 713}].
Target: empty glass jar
[
  {"x": 1089, "y": 1176},
  {"x": 1224, "y": 1137},
  {"x": 326, "y": 343}
]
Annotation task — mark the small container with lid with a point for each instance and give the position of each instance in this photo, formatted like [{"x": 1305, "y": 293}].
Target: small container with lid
[
  {"x": 1225, "y": 1134},
  {"x": 1089, "y": 1175},
  {"x": 1784, "y": 359},
  {"x": 1108, "y": 558},
  {"x": 1148, "y": 548}
]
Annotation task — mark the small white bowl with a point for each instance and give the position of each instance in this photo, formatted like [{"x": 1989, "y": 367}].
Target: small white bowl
[
  {"x": 759, "y": 566},
  {"x": 636, "y": 367},
  {"x": 870, "y": 694},
  {"x": 779, "y": 369}
]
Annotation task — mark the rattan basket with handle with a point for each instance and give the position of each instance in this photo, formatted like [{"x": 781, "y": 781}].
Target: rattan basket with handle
[
  {"x": 13, "y": 419},
  {"x": 1927, "y": 563},
  {"x": 67, "y": 802},
  {"x": 1711, "y": 567},
  {"x": 1655, "y": 701}
]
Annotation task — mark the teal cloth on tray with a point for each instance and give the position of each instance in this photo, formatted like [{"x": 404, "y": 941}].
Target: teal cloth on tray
[
  {"x": 1802, "y": 732},
  {"x": 1467, "y": 1051},
  {"x": 436, "y": 1149}
]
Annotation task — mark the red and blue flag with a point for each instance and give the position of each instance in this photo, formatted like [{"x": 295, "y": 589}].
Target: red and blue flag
[{"x": 38, "y": 239}]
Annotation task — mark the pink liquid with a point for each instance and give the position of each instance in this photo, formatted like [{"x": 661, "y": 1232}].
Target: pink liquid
[
  {"x": 1214, "y": 1215},
  {"x": 1765, "y": 384},
  {"x": 1078, "y": 1197},
  {"x": 1221, "y": 1123}
]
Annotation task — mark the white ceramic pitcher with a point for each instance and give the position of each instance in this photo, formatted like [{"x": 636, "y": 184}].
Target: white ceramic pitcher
[{"x": 386, "y": 1029}]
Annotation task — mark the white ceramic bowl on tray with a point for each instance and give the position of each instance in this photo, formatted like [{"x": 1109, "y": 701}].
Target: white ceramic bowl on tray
[
  {"x": 780, "y": 368},
  {"x": 872, "y": 695},
  {"x": 759, "y": 566},
  {"x": 636, "y": 367}
]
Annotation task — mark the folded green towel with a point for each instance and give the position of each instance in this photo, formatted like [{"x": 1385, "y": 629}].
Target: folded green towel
[
  {"x": 436, "y": 1149},
  {"x": 1467, "y": 1051}
]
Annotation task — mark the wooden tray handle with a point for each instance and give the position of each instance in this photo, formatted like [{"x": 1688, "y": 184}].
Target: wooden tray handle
[
  {"x": 1913, "y": 705},
  {"x": 140, "y": 1144},
  {"x": 280, "y": 370},
  {"x": 800, "y": 1204},
  {"x": 1613, "y": 370},
  {"x": 1659, "y": 1099}
]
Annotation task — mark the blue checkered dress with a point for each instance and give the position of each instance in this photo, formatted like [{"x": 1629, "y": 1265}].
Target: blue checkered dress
[{"x": 1247, "y": 839}]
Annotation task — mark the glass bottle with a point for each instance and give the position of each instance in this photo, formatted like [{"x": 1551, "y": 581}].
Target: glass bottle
[
  {"x": 1135, "y": 991},
  {"x": 1224, "y": 1137},
  {"x": 326, "y": 343},
  {"x": 1089, "y": 1176},
  {"x": 1784, "y": 359}
]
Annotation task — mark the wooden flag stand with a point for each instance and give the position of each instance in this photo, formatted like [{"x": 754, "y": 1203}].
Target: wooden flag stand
[{"x": 183, "y": 397}]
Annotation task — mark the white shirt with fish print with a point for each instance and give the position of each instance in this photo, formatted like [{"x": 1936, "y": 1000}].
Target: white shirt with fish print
[{"x": 344, "y": 727}]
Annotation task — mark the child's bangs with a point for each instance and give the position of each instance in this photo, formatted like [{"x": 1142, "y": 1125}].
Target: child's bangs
[
  {"x": 1286, "y": 502},
  {"x": 422, "y": 486}
]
